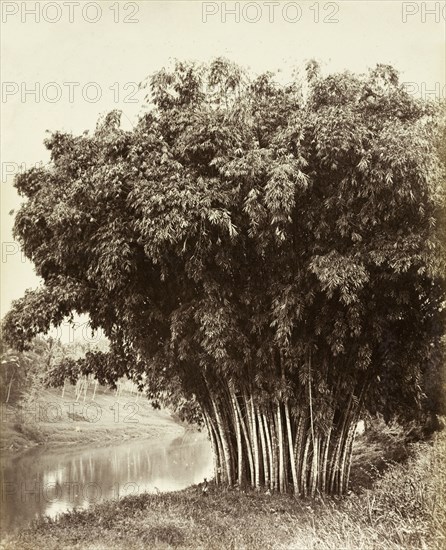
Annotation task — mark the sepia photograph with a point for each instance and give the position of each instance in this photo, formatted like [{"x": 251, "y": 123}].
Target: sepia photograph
[{"x": 223, "y": 275}]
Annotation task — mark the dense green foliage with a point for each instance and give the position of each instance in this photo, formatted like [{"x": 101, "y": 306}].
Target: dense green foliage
[{"x": 279, "y": 248}]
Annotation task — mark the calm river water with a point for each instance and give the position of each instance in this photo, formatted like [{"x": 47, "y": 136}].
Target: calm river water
[{"x": 48, "y": 482}]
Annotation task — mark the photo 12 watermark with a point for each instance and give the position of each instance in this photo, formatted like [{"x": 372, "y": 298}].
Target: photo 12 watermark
[
  {"x": 11, "y": 169},
  {"x": 52, "y": 412},
  {"x": 70, "y": 12},
  {"x": 271, "y": 12},
  {"x": 426, "y": 12},
  {"x": 434, "y": 91},
  {"x": 69, "y": 492},
  {"x": 11, "y": 251},
  {"x": 69, "y": 92}
]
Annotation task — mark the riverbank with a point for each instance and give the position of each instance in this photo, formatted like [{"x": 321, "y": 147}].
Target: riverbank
[
  {"x": 57, "y": 420},
  {"x": 404, "y": 509}
]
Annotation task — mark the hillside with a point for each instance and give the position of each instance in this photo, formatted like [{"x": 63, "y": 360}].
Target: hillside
[{"x": 61, "y": 420}]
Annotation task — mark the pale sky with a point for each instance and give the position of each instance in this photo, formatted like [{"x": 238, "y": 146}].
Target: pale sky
[{"x": 105, "y": 48}]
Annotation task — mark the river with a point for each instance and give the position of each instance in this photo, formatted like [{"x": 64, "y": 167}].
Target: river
[{"x": 50, "y": 481}]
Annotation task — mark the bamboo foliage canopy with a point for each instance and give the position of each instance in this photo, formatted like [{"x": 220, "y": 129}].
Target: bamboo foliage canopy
[{"x": 268, "y": 257}]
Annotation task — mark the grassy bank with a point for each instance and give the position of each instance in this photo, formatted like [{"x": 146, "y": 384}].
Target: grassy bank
[
  {"x": 57, "y": 420},
  {"x": 403, "y": 510}
]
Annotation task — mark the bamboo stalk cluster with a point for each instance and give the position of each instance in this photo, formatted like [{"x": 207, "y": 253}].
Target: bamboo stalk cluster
[{"x": 276, "y": 446}]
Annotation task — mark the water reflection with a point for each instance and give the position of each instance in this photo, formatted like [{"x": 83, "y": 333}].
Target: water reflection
[{"x": 50, "y": 482}]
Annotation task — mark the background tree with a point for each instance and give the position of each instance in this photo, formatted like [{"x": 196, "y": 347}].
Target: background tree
[
  {"x": 23, "y": 373},
  {"x": 272, "y": 256}
]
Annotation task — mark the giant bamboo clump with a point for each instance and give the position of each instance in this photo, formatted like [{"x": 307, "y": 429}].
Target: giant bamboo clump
[
  {"x": 268, "y": 259},
  {"x": 271, "y": 445}
]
